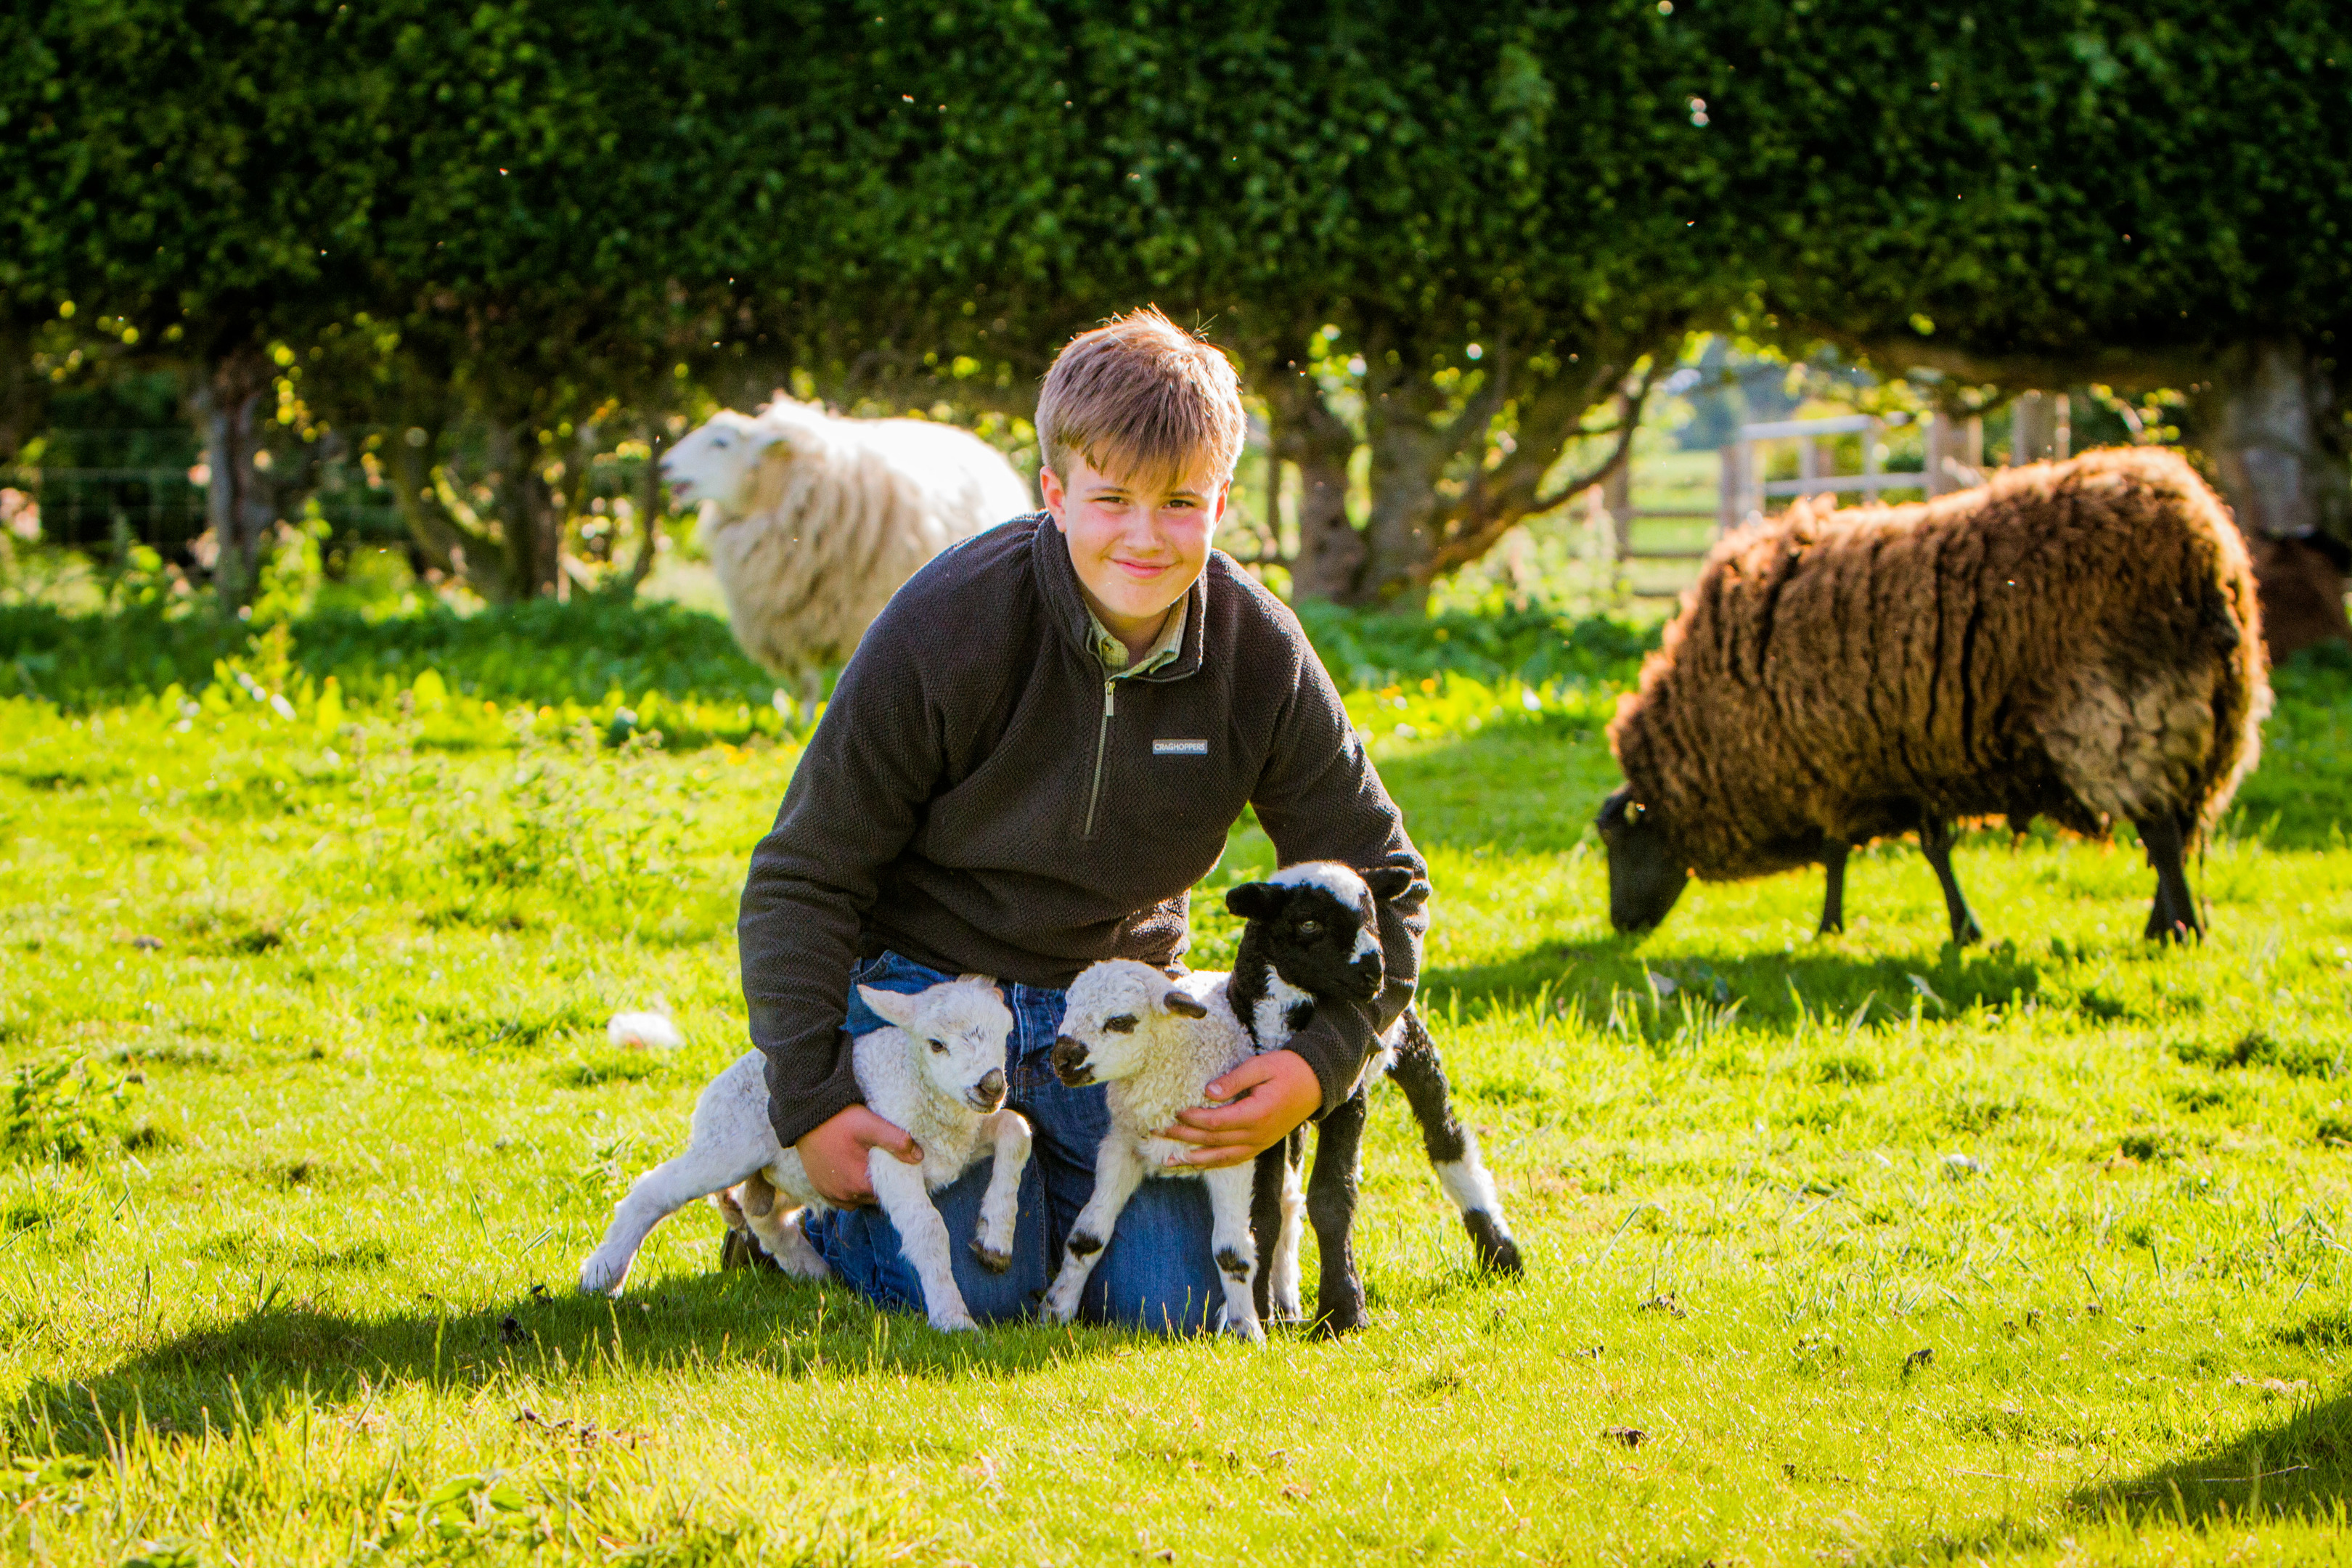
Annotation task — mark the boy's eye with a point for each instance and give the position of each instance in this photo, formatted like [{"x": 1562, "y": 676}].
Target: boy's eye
[
  {"x": 941, "y": 1047},
  {"x": 1310, "y": 928}
]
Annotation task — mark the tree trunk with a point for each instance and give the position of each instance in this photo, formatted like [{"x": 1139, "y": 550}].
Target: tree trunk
[
  {"x": 1410, "y": 453},
  {"x": 528, "y": 516},
  {"x": 1330, "y": 552},
  {"x": 226, "y": 404},
  {"x": 653, "y": 505},
  {"x": 2262, "y": 421}
]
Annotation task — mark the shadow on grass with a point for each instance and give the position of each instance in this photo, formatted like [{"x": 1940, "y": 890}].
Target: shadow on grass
[
  {"x": 2297, "y": 1467},
  {"x": 238, "y": 1372},
  {"x": 1773, "y": 990}
]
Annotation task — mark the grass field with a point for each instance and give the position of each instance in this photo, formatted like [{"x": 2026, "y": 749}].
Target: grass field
[{"x": 1856, "y": 1250}]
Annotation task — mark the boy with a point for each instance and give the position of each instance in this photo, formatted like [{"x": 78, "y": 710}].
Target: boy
[{"x": 1035, "y": 753}]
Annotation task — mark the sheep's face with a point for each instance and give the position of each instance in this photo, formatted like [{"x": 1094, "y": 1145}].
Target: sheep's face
[
  {"x": 1318, "y": 924},
  {"x": 715, "y": 461},
  {"x": 957, "y": 1027},
  {"x": 1116, "y": 1011},
  {"x": 1646, "y": 877}
]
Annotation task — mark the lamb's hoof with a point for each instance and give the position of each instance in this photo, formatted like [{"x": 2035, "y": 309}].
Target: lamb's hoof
[
  {"x": 995, "y": 1262},
  {"x": 954, "y": 1324},
  {"x": 737, "y": 1249},
  {"x": 1497, "y": 1253},
  {"x": 1053, "y": 1312},
  {"x": 1342, "y": 1318},
  {"x": 1968, "y": 935},
  {"x": 2160, "y": 928},
  {"x": 1286, "y": 1312},
  {"x": 600, "y": 1277},
  {"x": 1251, "y": 1332}
]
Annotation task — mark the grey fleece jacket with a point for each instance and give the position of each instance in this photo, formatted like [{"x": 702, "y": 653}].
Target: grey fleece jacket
[{"x": 979, "y": 796}]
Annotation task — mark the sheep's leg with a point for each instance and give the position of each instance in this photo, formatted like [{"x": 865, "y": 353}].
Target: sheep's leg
[
  {"x": 1285, "y": 1269},
  {"x": 1266, "y": 1179},
  {"x": 1453, "y": 1147},
  {"x": 1275, "y": 1206},
  {"x": 737, "y": 1248},
  {"x": 652, "y": 1198},
  {"x": 999, "y": 1207},
  {"x": 1118, "y": 1170},
  {"x": 1237, "y": 1252},
  {"x": 1331, "y": 1208},
  {"x": 1935, "y": 841},
  {"x": 922, "y": 1237},
  {"x": 2174, "y": 918},
  {"x": 1834, "y": 855}
]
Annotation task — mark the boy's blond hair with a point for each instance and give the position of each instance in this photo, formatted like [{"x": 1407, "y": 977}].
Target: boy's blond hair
[{"x": 1140, "y": 398}]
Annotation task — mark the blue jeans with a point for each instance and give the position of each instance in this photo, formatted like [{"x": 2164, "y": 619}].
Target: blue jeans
[{"x": 1156, "y": 1272}]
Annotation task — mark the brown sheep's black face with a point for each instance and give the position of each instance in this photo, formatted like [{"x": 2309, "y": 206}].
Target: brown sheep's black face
[{"x": 1644, "y": 877}]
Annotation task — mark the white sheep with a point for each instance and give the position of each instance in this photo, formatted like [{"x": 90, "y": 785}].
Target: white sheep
[
  {"x": 812, "y": 522},
  {"x": 937, "y": 1071},
  {"x": 1157, "y": 1043}
]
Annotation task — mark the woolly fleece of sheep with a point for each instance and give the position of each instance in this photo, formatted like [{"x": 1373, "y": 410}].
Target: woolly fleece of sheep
[
  {"x": 838, "y": 514},
  {"x": 2079, "y": 640}
]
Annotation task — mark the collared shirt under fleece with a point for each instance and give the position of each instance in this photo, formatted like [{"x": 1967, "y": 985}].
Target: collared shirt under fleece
[{"x": 982, "y": 796}]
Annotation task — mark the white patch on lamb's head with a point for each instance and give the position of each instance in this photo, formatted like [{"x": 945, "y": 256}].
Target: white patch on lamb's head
[
  {"x": 1328, "y": 875},
  {"x": 958, "y": 1029},
  {"x": 715, "y": 461},
  {"x": 1114, "y": 1015}
]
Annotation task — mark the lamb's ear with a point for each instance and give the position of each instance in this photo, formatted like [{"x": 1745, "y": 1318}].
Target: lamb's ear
[
  {"x": 1184, "y": 1007},
  {"x": 1255, "y": 900},
  {"x": 891, "y": 1006},
  {"x": 1387, "y": 881}
]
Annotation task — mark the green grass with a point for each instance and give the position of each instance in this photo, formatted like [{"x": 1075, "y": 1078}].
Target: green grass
[{"x": 311, "y": 1117}]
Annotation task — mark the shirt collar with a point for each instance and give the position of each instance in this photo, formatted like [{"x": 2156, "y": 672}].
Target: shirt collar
[{"x": 1164, "y": 650}]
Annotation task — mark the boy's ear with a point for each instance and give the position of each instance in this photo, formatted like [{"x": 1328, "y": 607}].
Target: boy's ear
[
  {"x": 1184, "y": 1007},
  {"x": 891, "y": 1006},
  {"x": 1253, "y": 900},
  {"x": 1387, "y": 882}
]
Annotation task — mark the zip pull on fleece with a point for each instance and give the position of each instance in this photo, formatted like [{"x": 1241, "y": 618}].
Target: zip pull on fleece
[{"x": 1102, "y": 741}]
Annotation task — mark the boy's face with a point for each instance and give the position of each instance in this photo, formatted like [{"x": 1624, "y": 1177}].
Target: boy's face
[{"x": 1137, "y": 548}]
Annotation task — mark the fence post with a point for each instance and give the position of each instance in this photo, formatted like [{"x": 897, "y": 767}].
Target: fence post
[{"x": 1731, "y": 499}]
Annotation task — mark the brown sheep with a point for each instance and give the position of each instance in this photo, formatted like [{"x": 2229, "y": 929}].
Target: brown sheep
[{"x": 2076, "y": 640}]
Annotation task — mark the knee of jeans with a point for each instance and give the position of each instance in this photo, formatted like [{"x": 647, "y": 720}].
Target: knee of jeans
[{"x": 1158, "y": 1273}]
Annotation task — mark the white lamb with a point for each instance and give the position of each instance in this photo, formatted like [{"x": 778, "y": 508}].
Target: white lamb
[
  {"x": 938, "y": 1072},
  {"x": 1156, "y": 1042},
  {"x": 812, "y": 522}
]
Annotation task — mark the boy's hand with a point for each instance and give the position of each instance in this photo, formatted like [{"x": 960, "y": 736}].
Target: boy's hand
[
  {"x": 834, "y": 1154},
  {"x": 1277, "y": 1091}
]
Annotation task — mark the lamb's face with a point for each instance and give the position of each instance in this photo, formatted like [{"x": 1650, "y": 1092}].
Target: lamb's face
[
  {"x": 714, "y": 462},
  {"x": 959, "y": 1027},
  {"x": 1110, "y": 1027},
  {"x": 1320, "y": 927},
  {"x": 1646, "y": 877}
]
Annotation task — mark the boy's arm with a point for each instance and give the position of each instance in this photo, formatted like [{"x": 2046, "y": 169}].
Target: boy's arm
[
  {"x": 853, "y": 802},
  {"x": 1319, "y": 799}
]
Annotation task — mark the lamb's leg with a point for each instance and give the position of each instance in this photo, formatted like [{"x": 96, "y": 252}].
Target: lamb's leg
[
  {"x": 1331, "y": 1208},
  {"x": 1276, "y": 1203},
  {"x": 660, "y": 1192},
  {"x": 737, "y": 1249},
  {"x": 1266, "y": 1181},
  {"x": 1118, "y": 1170},
  {"x": 1834, "y": 855},
  {"x": 1935, "y": 841},
  {"x": 1285, "y": 1267},
  {"x": 1235, "y": 1251},
  {"x": 1452, "y": 1148},
  {"x": 999, "y": 1207},
  {"x": 2174, "y": 918},
  {"x": 922, "y": 1237},
  {"x": 775, "y": 1240}
]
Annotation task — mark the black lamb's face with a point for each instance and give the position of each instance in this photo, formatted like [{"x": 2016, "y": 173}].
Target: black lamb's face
[
  {"x": 1646, "y": 877},
  {"x": 1321, "y": 926}
]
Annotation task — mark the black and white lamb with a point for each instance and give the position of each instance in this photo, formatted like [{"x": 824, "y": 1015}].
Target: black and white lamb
[
  {"x": 937, "y": 1071},
  {"x": 1155, "y": 1043},
  {"x": 1313, "y": 931}
]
